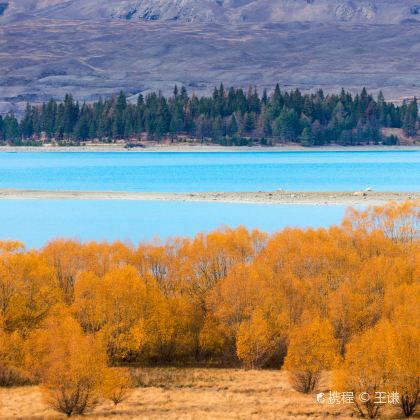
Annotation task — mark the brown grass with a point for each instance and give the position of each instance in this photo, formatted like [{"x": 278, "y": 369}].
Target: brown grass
[{"x": 173, "y": 393}]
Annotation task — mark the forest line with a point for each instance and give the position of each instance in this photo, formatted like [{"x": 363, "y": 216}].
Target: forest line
[{"x": 227, "y": 117}]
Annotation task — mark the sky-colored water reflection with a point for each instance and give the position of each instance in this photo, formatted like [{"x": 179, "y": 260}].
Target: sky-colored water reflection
[
  {"x": 36, "y": 222},
  {"x": 253, "y": 171}
]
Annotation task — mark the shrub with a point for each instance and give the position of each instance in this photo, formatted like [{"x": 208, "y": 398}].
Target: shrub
[
  {"x": 11, "y": 376},
  {"x": 366, "y": 368},
  {"x": 312, "y": 349},
  {"x": 117, "y": 385},
  {"x": 12, "y": 355},
  {"x": 72, "y": 367}
]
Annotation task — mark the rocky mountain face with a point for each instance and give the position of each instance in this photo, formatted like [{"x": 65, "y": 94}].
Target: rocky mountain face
[
  {"x": 94, "y": 48},
  {"x": 219, "y": 11}
]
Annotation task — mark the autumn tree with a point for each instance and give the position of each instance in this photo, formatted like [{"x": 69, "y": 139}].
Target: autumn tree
[
  {"x": 119, "y": 310},
  {"x": 12, "y": 357},
  {"x": 117, "y": 385},
  {"x": 89, "y": 304},
  {"x": 366, "y": 368},
  {"x": 233, "y": 301},
  {"x": 405, "y": 366},
  {"x": 254, "y": 341},
  {"x": 312, "y": 349},
  {"x": 358, "y": 302},
  {"x": 70, "y": 365},
  {"x": 28, "y": 289},
  {"x": 168, "y": 333},
  {"x": 404, "y": 316},
  {"x": 64, "y": 258},
  {"x": 228, "y": 297},
  {"x": 398, "y": 221}
]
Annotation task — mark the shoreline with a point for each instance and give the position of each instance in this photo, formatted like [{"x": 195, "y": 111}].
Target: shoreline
[
  {"x": 261, "y": 197},
  {"x": 198, "y": 148}
]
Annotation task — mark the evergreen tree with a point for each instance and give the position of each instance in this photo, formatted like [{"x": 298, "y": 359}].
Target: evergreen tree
[
  {"x": 312, "y": 118},
  {"x": 232, "y": 127},
  {"x": 286, "y": 125},
  {"x": 69, "y": 116},
  {"x": 307, "y": 138},
  {"x": 217, "y": 129},
  {"x": 277, "y": 102},
  {"x": 2, "y": 134},
  {"x": 248, "y": 122},
  {"x": 411, "y": 118},
  {"x": 118, "y": 128},
  {"x": 11, "y": 129},
  {"x": 27, "y": 124}
]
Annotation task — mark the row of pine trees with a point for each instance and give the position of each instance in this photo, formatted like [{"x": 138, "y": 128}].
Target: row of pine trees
[{"x": 229, "y": 117}]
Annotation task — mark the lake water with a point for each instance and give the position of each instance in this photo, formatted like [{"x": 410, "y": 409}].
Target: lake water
[
  {"x": 36, "y": 222},
  {"x": 184, "y": 172}
]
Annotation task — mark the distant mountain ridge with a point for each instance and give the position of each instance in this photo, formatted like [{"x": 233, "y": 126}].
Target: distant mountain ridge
[
  {"x": 95, "y": 48},
  {"x": 217, "y": 11}
]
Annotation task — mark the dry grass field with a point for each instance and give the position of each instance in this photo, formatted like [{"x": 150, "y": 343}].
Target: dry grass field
[{"x": 170, "y": 393}]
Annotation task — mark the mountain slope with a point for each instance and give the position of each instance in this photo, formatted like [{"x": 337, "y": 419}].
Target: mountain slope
[
  {"x": 97, "y": 47},
  {"x": 220, "y": 11}
]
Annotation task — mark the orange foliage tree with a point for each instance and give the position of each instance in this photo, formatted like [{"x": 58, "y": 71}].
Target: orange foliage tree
[
  {"x": 254, "y": 340},
  {"x": 230, "y": 297},
  {"x": 312, "y": 349},
  {"x": 368, "y": 367},
  {"x": 72, "y": 367}
]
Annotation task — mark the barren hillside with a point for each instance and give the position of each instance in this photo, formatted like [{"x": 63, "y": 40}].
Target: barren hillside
[
  {"x": 91, "y": 48},
  {"x": 220, "y": 11}
]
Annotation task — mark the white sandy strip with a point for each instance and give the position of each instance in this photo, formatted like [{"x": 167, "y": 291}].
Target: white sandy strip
[
  {"x": 277, "y": 197},
  {"x": 153, "y": 147}
]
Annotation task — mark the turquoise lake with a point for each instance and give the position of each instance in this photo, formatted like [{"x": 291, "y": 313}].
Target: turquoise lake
[
  {"x": 36, "y": 222},
  {"x": 185, "y": 172}
]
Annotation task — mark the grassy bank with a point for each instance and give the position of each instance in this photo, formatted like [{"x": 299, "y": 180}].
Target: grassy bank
[{"x": 173, "y": 393}]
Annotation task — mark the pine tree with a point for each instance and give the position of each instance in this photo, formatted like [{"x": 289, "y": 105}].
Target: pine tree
[
  {"x": 70, "y": 113},
  {"x": 217, "y": 129},
  {"x": 26, "y": 124},
  {"x": 11, "y": 129},
  {"x": 411, "y": 118},
  {"x": 2, "y": 134},
  {"x": 276, "y": 103},
  {"x": 248, "y": 123},
  {"x": 307, "y": 138},
  {"x": 286, "y": 126},
  {"x": 118, "y": 127},
  {"x": 336, "y": 118},
  {"x": 232, "y": 127}
]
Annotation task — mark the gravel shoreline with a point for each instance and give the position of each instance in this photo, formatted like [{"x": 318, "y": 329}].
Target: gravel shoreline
[
  {"x": 260, "y": 197},
  {"x": 197, "y": 148}
]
